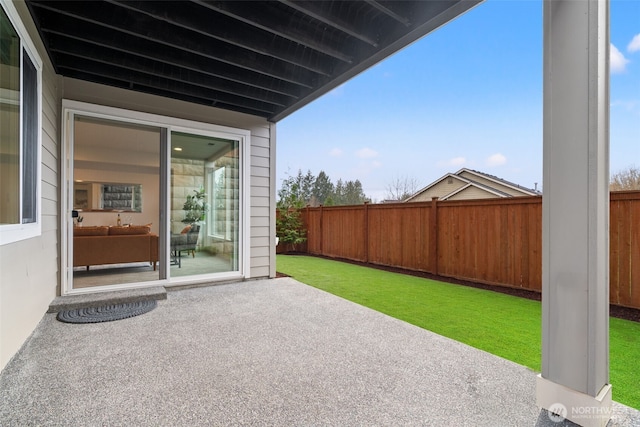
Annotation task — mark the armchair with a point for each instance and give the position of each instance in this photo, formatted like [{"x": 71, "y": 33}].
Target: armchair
[{"x": 187, "y": 241}]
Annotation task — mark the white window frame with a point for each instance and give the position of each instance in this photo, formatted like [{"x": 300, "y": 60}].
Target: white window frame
[
  {"x": 213, "y": 231},
  {"x": 10, "y": 233}
]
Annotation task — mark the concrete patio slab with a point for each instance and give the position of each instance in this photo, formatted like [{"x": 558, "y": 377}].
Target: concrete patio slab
[
  {"x": 106, "y": 298},
  {"x": 272, "y": 352}
]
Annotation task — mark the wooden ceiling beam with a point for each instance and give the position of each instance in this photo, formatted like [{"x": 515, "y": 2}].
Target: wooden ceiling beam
[
  {"x": 144, "y": 27},
  {"x": 80, "y": 75},
  {"x": 389, "y": 12},
  {"x": 182, "y": 15},
  {"x": 146, "y": 49},
  {"x": 276, "y": 24},
  {"x": 154, "y": 81},
  {"x": 79, "y": 49},
  {"x": 313, "y": 10}
]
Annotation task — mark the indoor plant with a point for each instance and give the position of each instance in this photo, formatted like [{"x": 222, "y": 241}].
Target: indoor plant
[{"x": 195, "y": 207}]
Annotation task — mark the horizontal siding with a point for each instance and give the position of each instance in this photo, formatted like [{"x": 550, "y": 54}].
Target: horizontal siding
[
  {"x": 257, "y": 262},
  {"x": 261, "y": 210},
  {"x": 260, "y": 191},
  {"x": 50, "y": 159},
  {"x": 260, "y": 201},
  {"x": 259, "y": 241},
  {"x": 258, "y": 140},
  {"x": 471, "y": 193},
  {"x": 50, "y": 223},
  {"x": 259, "y": 232},
  {"x": 260, "y": 181},
  {"x": 260, "y": 270},
  {"x": 49, "y": 191},
  {"x": 29, "y": 268},
  {"x": 259, "y": 221},
  {"x": 440, "y": 190},
  {"x": 260, "y": 151},
  {"x": 260, "y": 162},
  {"x": 49, "y": 175},
  {"x": 494, "y": 184},
  {"x": 261, "y": 251},
  {"x": 259, "y": 171}
]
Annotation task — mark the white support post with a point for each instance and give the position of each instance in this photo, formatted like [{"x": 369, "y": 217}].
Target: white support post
[{"x": 575, "y": 291}]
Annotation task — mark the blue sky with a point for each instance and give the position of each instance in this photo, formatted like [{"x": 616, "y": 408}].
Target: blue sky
[{"x": 467, "y": 95}]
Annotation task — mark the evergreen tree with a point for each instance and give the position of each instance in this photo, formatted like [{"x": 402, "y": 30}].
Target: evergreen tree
[
  {"x": 322, "y": 189},
  {"x": 302, "y": 190},
  {"x": 306, "y": 186},
  {"x": 353, "y": 193},
  {"x": 289, "y": 195},
  {"x": 339, "y": 193}
]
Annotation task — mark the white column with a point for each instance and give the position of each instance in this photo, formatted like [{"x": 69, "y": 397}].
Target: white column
[{"x": 575, "y": 248}]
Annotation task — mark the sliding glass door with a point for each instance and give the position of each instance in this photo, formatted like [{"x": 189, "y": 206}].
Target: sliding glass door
[
  {"x": 205, "y": 204},
  {"x": 152, "y": 200},
  {"x": 116, "y": 206}
]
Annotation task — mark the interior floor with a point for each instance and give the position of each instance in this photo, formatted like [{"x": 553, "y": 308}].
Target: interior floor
[{"x": 115, "y": 274}]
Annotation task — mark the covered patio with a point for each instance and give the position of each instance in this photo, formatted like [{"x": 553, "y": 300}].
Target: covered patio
[
  {"x": 268, "y": 352},
  {"x": 282, "y": 353}
]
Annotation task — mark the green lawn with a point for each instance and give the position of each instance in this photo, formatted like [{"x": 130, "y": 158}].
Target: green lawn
[{"x": 500, "y": 324}]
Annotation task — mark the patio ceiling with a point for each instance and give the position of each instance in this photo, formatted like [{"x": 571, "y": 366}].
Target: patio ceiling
[{"x": 265, "y": 58}]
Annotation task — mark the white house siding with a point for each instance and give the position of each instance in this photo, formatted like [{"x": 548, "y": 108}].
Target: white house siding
[
  {"x": 471, "y": 193},
  {"x": 440, "y": 189},
  {"x": 262, "y": 193},
  {"x": 29, "y": 268},
  {"x": 494, "y": 184}
]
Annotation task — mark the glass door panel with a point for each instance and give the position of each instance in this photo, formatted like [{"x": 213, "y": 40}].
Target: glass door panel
[
  {"x": 205, "y": 205},
  {"x": 116, "y": 193}
]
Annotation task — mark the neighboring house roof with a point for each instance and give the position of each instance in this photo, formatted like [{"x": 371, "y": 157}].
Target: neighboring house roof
[
  {"x": 468, "y": 183},
  {"x": 265, "y": 58}
]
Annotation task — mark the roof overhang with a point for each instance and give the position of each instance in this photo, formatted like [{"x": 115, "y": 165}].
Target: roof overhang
[{"x": 265, "y": 58}]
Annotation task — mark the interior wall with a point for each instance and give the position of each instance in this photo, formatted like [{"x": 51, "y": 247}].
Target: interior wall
[
  {"x": 187, "y": 175},
  {"x": 110, "y": 152},
  {"x": 150, "y": 198}
]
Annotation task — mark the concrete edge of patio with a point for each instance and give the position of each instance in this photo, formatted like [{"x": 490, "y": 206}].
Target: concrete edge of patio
[{"x": 70, "y": 302}]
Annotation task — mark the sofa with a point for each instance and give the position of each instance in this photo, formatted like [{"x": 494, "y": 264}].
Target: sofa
[{"x": 101, "y": 245}]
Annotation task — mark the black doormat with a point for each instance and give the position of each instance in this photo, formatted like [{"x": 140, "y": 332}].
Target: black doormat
[{"x": 107, "y": 313}]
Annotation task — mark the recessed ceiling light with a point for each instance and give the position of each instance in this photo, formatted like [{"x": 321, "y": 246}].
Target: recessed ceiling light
[{"x": 177, "y": 148}]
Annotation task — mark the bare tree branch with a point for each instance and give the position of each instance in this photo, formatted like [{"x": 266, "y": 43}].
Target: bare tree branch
[
  {"x": 626, "y": 179},
  {"x": 401, "y": 188}
]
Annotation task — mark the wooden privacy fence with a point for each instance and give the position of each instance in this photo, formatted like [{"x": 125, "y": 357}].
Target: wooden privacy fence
[{"x": 493, "y": 241}]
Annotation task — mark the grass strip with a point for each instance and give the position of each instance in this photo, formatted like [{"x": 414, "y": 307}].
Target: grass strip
[{"x": 500, "y": 324}]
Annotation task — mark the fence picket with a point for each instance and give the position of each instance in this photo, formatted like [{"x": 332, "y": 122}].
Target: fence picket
[{"x": 493, "y": 241}]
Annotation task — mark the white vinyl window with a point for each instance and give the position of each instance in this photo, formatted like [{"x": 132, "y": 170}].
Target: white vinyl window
[
  {"x": 20, "y": 94},
  {"x": 220, "y": 207}
]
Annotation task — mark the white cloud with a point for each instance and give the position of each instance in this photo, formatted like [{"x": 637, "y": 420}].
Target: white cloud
[
  {"x": 336, "y": 152},
  {"x": 366, "y": 153},
  {"x": 634, "y": 45},
  {"x": 455, "y": 162},
  {"x": 337, "y": 92},
  {"x": 496, "y": 160},
  {"x": 376, "y": 164},
  {"x": 628, "y": 105},
  {"x": 617, "y": 61}
]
